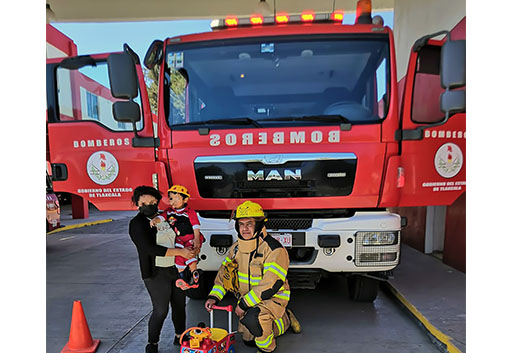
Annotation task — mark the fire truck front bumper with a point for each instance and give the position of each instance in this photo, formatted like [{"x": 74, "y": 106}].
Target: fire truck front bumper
[{"x": 366, "y": 242}]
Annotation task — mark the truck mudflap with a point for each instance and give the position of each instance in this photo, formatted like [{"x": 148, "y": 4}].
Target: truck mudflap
[{"x": 366, "y": 242}]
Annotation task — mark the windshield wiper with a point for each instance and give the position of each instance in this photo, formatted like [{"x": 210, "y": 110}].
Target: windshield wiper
[
  {"x": 231, "y": 121},
  {"x": 345, "y": 123}
]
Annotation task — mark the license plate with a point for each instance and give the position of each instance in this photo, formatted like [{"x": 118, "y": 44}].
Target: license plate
[{"x": 286, "y": 239}]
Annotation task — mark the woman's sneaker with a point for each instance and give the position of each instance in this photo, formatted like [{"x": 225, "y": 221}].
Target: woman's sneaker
[
  {"x": 176, "y": 341},
  {"x": 151, "y": 348}
]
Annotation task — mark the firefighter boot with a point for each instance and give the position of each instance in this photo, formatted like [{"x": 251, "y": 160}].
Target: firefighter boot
[
  {"x": 295, "y": 324},
  {"x": 260, "y": 351}
]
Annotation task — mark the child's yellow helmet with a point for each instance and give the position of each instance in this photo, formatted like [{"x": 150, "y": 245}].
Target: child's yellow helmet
[{"x": 179, "y": 189}]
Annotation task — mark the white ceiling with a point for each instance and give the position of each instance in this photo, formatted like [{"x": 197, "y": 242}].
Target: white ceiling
[{"x": 158, "y": 10}]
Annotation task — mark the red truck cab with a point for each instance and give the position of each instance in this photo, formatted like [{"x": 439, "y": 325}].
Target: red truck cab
[{"x": 303, "y": 117}]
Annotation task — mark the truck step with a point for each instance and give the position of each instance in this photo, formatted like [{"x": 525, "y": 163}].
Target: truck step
[{"x": 303, "y": 280}]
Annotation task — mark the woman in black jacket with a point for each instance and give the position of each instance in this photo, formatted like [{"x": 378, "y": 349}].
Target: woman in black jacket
[{"x": 159, "y": 281}]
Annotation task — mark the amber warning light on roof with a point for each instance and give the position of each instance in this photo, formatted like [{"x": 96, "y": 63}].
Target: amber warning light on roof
[
  {"x": 256, "y": 19},
  {"x": 337, "y": 16},
  {"x": 231, "y": 21},
  {"x": 308, "y": 16},
  {"x": 281, "y": 18}
]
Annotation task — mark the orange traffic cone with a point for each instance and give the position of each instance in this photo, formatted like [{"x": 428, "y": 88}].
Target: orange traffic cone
[{"x": 80, "y": 338}]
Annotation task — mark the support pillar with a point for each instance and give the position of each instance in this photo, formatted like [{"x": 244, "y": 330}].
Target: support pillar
[
  {"x": 79, "y": 207},
  {"x": 435, "y": 229},
  {"x": 455, "y": 235}
]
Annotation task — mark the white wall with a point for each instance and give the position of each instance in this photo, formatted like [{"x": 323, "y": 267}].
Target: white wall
[
  {"x": 416, "y": 18},
  {"x": 53, "y": 52}
]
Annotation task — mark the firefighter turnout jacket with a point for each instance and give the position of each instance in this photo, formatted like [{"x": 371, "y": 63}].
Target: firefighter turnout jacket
[{"x": 263, "y": 292}]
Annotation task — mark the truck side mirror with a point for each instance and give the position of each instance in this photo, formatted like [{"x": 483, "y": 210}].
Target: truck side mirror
[
  {"x": 453, "y": 75},
  {"x": 453, "y": 64},
  {"x": 154, "y": 54},
  {"x": 452, "y": 102},
  {"x": 126, "y": 111},
  {"x": 122, "y": 76}
]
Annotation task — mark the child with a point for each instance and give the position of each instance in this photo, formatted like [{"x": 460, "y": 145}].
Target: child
[{"x": 184, "y": 221}]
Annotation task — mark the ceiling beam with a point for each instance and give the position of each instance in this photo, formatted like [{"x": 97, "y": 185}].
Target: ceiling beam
[{"x": 159, "y": 10}]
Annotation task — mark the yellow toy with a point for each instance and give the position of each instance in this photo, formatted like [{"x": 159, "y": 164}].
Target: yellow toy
[{"x": 203, "y": 339}]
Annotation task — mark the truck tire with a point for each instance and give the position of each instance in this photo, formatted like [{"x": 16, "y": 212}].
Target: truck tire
[
  {"x": 206, "y": 279},
  {"x": 362, "y": 289}
]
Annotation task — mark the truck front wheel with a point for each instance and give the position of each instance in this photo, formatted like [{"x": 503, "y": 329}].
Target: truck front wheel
[{"x": 362, "y": 289}]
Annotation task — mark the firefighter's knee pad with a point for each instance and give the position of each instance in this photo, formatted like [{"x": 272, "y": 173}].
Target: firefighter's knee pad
[{"x": 251, "y": 322}]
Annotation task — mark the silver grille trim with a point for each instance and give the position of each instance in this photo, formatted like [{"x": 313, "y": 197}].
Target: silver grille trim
[{"x": 274, "y": 159}]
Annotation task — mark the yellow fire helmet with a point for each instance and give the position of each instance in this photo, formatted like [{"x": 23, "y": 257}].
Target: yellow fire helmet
[
  {"x": 179, "y": 189},
  {"x": 249, "y": 209}
]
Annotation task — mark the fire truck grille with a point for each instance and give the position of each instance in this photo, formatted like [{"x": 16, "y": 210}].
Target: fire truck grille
[
  {"x": 289, "y": 223},
  {"x": 276, "y": 176}
]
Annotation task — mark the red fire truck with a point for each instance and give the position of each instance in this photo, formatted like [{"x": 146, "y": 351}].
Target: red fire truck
[{"x": 297, "y": 112}]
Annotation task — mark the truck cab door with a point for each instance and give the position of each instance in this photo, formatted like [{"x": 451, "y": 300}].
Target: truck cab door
[
  {"x": 93, "y": 155},
  {"x": 433, "y": 144}
]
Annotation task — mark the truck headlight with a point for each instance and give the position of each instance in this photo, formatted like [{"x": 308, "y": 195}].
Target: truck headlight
[{"x": 378, "y": 238}]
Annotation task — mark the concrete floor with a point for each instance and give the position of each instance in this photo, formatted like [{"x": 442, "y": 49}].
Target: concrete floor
[
  {"x": 438, "y": 291},
  {"x": 98, "y": 265}
]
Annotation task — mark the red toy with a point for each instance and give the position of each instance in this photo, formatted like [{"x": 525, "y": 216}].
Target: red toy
[{"x": 209, "y": 339}]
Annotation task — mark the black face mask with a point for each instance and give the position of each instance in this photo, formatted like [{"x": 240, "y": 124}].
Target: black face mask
[{"x": 149, "y": 210}]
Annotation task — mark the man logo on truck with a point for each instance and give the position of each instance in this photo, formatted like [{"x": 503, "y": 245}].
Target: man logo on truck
[{"x": 274, "y": 175}]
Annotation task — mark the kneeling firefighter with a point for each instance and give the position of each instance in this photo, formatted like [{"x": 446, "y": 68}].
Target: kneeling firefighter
[{"x": 255, "y": 269}]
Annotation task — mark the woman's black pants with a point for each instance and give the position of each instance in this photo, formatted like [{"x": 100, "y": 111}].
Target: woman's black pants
[{"x": 162, "y": 290}]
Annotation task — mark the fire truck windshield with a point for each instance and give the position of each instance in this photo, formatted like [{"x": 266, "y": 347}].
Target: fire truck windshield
[{"x": 278, "y": 81}]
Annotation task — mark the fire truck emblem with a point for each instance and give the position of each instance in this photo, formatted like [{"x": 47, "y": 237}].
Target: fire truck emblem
[
  {"x": 102, "y": 168},
  {"x": 448, "y": 160}
]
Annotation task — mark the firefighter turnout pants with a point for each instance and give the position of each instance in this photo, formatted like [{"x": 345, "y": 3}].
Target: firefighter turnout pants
[{"x": 263, "y": 323}]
